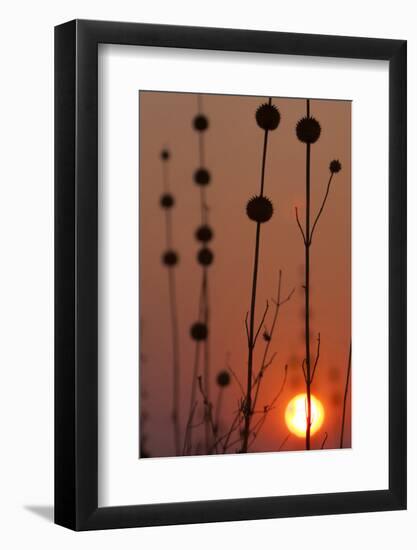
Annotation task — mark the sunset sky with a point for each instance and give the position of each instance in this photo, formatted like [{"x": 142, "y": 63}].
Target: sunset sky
[{"x": 233, "y": 152}]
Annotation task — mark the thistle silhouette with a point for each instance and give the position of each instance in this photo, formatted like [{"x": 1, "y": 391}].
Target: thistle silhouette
[
  {"x": 227, "y": 410},
  {"x": 200, "y": 330},
  {"x": 308, "y": 132},
  {"x": 170, "y": 259},
  {"x": 259, "y": 210}
]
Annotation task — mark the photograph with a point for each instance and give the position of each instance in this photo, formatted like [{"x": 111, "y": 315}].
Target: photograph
[
  {"x": 245, "y": 274},
  {"x": 209, "y": 259}
]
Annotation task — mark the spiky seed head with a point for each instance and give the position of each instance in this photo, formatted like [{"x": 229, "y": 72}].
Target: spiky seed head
[
  {"x": 170, "y": 258},
  {"x": 266, "y": 336},
  {"x": 200, "y": 123},
  {"x": 308, "y": 130},
  {"x": 202, "y": 176},
  {"x": 205, "y": 256},
  {"x": 223, "y": 379},
  {"x": 335, "y": 166},
  {"x": 259, "y": 209},
  {"x": 267, "y": 117},
  {"x": 198, "y": 331},
  {"x": 204, "y": 234},
  {"x": 167, "y": 200},
  {"x": 165, "y": 154}
]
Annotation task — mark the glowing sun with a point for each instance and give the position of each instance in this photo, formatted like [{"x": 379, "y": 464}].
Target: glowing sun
[{"x": 296, "y": 415}]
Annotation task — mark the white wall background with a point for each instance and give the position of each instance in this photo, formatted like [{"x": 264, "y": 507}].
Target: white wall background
[{"x": 26, "y": 271}]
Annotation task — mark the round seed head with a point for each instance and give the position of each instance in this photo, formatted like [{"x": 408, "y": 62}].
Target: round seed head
[
  {"x": 223, "y": 379},
  {"x": 170, "y": 258},
  {"x": 205, "y": 256},
  {"x": 202, "y": 176},
  {"x": 267, "y": 117},
  {"x": 204, "y": 234},
  {"x": 200, "y": 123},
  {"x": 165, "y": 154},
  {"x": 198, "y": 331},
  {"x": 335, "y": 167},
  {"x": 167, "y": 200},
  {"x": 259, "y": 209},
  {"x": 266, "y": 336},
  {"x": 308, "y": 130}
]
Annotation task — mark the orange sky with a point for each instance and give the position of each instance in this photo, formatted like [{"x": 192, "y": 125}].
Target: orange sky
[{"x": 233, "y": 151}]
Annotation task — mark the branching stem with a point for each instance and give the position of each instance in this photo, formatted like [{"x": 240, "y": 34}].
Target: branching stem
[{"x": 251, "y": 342}]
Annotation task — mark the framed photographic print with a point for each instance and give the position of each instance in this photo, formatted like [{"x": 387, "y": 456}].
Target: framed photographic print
[{"x": 230, "y": 275}]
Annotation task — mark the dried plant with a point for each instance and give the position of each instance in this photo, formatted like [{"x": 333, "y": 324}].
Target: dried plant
[
  {"x": 204, "y": 422},
  {"x": 259, "y": 209},
  {"x": 234, "y": 434},
  {"x": 308, "y": 132},
  {"x": 170, "y": 259},
  {"x": 200, "y": 330}
]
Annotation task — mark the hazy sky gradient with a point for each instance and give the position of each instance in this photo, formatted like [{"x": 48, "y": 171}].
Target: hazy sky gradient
[{"x": 233, "y": 150}]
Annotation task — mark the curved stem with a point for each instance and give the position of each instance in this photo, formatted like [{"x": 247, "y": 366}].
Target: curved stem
[
  {"x": 345, "y": 396},
  {"x": 265, "y": 362},
  {"x": 322, "y": 206}
]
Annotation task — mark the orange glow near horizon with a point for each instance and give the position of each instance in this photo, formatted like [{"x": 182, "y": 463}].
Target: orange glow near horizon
[{"x": 296, "y": 415}]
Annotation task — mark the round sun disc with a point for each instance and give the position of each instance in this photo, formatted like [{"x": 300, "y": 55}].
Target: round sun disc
[{"x": 296, "y": 415}]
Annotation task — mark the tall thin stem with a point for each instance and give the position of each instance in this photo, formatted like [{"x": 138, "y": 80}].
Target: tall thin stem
[
  {"x": 201, "y": 125},
  {"x": 248, "y": 401},
  {"x": 307, "y": 295},
  {"x": 194, "y": 379},
  {"x": 308, "y": 131},
  {"x": 251, "y": 339},
  {"x": 176, "y": 361},
  {"x": 175, "y": 414},
  {"x": 205, "y": 290},
  {"x": 345, "y": 396},
  {"x": 206, "y": 359}
]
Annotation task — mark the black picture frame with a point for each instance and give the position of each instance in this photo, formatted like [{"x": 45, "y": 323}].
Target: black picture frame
[{"x": 76, "y": 272}]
